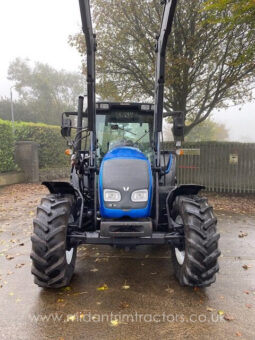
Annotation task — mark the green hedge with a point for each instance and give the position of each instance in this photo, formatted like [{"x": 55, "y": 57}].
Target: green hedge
[
  {"x": 51, "y": 144},
  {"x": 6, "y": 146}
]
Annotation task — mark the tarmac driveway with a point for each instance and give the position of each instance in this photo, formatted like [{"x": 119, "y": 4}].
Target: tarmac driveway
[{"x": 123, "y": 295}]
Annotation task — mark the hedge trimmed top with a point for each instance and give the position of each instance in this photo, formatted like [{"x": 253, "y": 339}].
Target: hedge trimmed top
[{"x": 52, "y": 144}]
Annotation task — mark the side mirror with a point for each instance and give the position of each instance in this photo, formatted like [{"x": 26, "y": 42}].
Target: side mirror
[
  {"x": 178, "y": 126},
  {"x": 66, "y": 127}
]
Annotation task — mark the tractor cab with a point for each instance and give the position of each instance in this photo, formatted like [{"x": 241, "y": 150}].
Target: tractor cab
[{"x": 124, "y": 125}]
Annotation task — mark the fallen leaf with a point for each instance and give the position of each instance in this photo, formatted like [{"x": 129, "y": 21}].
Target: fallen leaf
[
  {"x": 11, "y": 294},
  {"x": 124, "y": 305},
  {"x": 238, "y": 334},
  {"x": 196, "y": 289},
  {"x": 114, "y": 323},
  {"x": 67, "y": 289},
  {"x": 18, "y": 300},
  {"x": 102, "y": 259},
  {"x": 169, "y": 290},
  {"x": 104, "y": 287},
  {"x": 94, "y": 270},
  {"x": 153, "y": 273},
  {"x": 125, "y": 286},
  {"x": 241, "y": 235},
  {"x": 60, "y": 300},
  {"x": 246, "y": 292},
  {"x": 70, "y": 317},
  {"x": 19, "y": 265},
  {"x": 79, "y": 293},
  {"x": 220, "y": 312},
  {"x": 9, "y": 257},
  {"x": 248, "y": 305},
  {"x": 228, "y": 317},
  {"x": 210, "y": 309},
  {"x": 99, "y": 303},
  {"x": 246, "y": 266}
]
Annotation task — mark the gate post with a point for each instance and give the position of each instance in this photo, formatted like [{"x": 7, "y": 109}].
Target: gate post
[{"x": 26, "y": 156}]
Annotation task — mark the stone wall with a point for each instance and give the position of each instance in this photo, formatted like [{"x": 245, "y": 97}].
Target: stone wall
[
  {"x": 13, "y": 177},
  {"x": 53, "y": 174}
]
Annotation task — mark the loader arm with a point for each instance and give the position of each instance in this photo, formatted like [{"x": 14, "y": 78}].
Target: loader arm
[
  {"x": 90, "y": 39},
  {"x": 161, "y": 44}
]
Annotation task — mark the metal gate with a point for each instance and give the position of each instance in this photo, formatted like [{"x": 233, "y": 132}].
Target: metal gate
[{"x": 219, "y": 166}]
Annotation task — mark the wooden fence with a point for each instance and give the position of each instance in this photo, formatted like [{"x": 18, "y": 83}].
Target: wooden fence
[{"x": 219, "y": 166}]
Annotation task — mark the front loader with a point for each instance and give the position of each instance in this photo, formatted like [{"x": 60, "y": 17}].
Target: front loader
[{"x": 123, "y": 189}]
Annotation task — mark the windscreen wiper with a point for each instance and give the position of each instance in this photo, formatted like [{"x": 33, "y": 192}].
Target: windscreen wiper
[
  {"x": 138, "y": 140},
  {"x": 117, "y": 127}
]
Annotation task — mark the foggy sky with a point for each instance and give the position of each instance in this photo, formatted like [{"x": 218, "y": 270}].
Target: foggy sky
[{"x": 39, "y": 30}]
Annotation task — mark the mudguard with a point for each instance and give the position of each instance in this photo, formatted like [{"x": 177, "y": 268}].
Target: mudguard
[
  {"x": 184, "y": 189},
  {"x": 65, "y": 188},
  {"x": 60, "y": 188}
]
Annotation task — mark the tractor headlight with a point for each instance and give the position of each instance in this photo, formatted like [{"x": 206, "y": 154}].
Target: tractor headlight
[
  {"x": 111, "y": 195},
  {"x": 139, "y": 196}
]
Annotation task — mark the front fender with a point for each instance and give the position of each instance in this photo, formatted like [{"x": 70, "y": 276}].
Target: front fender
[
  {"x": 184, "y": 189},
  {"x": 65, "y": 188},
  {"x": 60, "y": 188}
]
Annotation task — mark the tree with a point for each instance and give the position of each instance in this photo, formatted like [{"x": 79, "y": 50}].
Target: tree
[
  {"x": 45, "y": 91},
  {"x": 232, "y": 12},
  {"x": 205, "y": 67},
  {"x": 208, "y": 130},
  {"x": 21, "y": 110}
]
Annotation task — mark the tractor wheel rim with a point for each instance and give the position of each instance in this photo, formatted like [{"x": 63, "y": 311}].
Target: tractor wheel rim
[
  {"x": 180, "y": 254},
  {"x": 69, "y": 255}
]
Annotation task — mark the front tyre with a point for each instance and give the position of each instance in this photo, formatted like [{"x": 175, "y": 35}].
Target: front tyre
[
  {"x": 196, "y": 263},
  {"x": 53, "y": 260}
]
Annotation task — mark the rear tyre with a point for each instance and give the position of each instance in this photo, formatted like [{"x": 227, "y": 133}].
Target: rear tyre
[
  {"x": 196, "y": 263},
  {"x": 53, "y": 260}
]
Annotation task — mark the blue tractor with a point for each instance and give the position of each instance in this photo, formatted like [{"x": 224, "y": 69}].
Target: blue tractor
[{"x": 123, "y": 190}]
